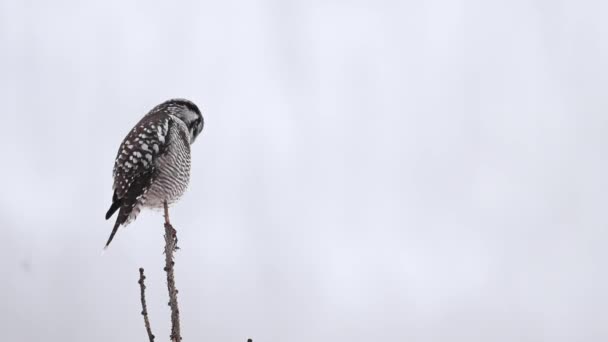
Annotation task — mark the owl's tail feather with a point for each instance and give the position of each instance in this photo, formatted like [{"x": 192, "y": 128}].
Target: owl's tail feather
[
  {"x": 115, "y": 205},
  {"x": 121, "y": 219},
  {"x": 112, "y": 209},
  {"x": 114, "y": 230}
]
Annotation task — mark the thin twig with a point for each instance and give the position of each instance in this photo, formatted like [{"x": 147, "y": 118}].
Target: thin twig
[
  {"x": 170, "y": 247},
  {"x": 144, "y": 311}
]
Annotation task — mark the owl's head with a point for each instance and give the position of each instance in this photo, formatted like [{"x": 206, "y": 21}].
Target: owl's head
[{"x": 187, "y": 112}]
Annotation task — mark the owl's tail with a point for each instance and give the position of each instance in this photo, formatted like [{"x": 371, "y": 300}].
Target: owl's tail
[
  {"x": 116, "y": 203},
  {"x": 129, "y": 208},
  {"x": 114, "y": 230}
]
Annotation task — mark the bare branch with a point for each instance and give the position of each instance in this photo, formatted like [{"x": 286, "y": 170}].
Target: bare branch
[
  {"x": 170, "y": 247},
  {"x": 144, "y": 311}
]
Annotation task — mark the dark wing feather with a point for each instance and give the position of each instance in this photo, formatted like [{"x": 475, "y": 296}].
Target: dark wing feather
[{"x": 134, "y": 169}]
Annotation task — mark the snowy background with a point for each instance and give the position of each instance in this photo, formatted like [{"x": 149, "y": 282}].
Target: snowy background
[{"x": 369, "y": 170}]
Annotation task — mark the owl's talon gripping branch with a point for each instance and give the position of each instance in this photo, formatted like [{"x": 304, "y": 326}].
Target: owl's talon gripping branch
[{"x": 169, "y": 227}]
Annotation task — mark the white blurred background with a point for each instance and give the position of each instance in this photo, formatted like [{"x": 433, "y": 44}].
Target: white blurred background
[{"x": 369, "y": 170}]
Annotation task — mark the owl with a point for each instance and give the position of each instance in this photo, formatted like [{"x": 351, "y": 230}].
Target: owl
[{"x": 153, "y": 162}]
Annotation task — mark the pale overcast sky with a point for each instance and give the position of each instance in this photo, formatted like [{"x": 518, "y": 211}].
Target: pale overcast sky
[{"x": 369, "y": 170}]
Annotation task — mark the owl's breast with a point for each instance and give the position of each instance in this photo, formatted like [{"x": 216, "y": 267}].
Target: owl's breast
[{"x": 172, "y": 169}]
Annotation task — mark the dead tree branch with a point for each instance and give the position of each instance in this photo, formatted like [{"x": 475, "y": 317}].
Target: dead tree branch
[
  {"x": 170, "y": 247},
  {"x": 144, "y": 311}
]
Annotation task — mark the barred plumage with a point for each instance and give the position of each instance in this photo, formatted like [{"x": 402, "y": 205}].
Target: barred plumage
[{"x": 153, "y": 161}]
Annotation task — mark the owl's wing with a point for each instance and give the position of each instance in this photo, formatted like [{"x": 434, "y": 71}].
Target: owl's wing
[{"x": 134, "y": 169}]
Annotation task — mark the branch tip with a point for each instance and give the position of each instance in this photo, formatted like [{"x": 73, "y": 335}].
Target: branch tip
[{"x": 144, "y": 311}]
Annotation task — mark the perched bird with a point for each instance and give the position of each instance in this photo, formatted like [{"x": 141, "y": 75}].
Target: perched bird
[{"x": 153, "y": 161}]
